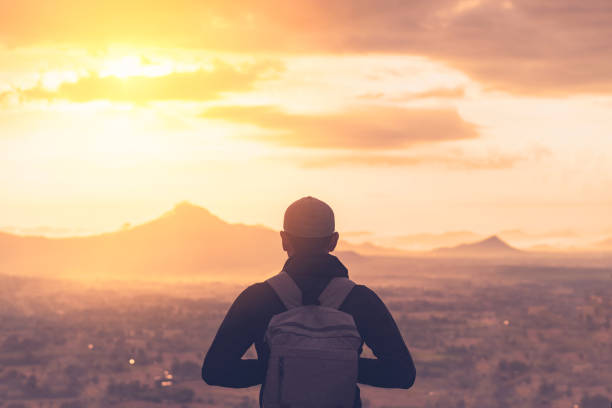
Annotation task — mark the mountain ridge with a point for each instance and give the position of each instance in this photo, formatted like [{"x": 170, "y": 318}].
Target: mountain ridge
[
  {"x": 490, "y": 246},
  {"x": 188, "y": 240}
]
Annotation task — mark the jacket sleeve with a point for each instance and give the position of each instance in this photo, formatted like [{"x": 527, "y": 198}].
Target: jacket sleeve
[
  {"x": 393, "y": 366},
  {"x": 223, "y": 364}
]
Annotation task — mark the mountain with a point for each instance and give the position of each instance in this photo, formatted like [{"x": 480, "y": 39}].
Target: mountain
[
  {"x": 492, "y": 246},
  {"x": 187, "y": 241}
]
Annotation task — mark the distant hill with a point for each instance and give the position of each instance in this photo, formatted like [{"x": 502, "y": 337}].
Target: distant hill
[
  {"x": 186, "y": 241},
  {"x": 492, "y": 246}
]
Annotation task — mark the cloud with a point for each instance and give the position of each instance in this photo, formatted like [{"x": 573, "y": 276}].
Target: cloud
[
  {"x": 446, "y": 93},
  {"x": 518, "y": 235},
  {"x": 198, "y": 85},
  {"x": 357, "y": 234},
  {"x": 457, "y": 161},
  {"x": 437, "y": 93},
  {"x": 521, "y": 46},
  {"x": 369, "y": 127},
  {"x": 454, "y": 159}
]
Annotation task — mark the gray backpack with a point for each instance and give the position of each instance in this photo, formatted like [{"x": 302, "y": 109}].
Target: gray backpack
[{"x": 314, "y": 350}]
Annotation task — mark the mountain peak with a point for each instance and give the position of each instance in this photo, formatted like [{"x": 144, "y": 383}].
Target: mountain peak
[
  {"x": 489, "y": 246},
  {"x": 186, "y": 212},
  {"x": 493, "y": 243},
  {"x": 183, "y": 206},
  {"x": 494, "y": 240}
]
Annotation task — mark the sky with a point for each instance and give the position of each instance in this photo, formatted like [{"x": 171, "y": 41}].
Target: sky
[{"x": 406, "y": 117}]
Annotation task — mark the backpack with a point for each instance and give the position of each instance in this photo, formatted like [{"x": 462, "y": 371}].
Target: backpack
[{"x": 314, "y": 350}]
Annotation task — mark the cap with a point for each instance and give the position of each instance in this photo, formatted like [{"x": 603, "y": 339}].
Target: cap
[{"x": 309, "y": 217}]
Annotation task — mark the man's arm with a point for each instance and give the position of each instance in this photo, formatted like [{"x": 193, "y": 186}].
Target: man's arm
[
  {"x": 223, "y": 364},
  {"x": 393, "y": 367}
]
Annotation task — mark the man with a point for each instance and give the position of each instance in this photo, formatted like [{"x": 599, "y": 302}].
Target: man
[{"x": 308, "y": 238}]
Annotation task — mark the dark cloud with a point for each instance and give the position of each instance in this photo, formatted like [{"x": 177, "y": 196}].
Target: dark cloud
[
  {"x": 522, "y": 46},
  {"x": 366, "y": 127},
  {"x": 198, "y": 85}
]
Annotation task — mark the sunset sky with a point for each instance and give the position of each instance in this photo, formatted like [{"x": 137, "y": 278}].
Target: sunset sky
[{"x": 407, "y": 117}]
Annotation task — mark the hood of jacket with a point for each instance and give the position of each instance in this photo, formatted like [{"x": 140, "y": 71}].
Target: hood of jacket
[{"x": 313, "y": 272}]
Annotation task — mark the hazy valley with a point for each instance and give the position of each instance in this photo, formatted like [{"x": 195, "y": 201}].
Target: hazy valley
[{"x": 124, "y": 319}]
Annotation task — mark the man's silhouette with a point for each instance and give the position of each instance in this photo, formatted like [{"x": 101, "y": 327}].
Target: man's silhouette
[{"x": 308, "y": 238}]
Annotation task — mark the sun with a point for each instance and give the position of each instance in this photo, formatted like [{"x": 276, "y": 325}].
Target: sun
[
  {"x": 123, "y": 67},
  {"x": 135, "y": 65}
]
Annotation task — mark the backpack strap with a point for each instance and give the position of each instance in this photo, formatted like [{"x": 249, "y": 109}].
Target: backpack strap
[
  {"x": 336, "y": 292},
  {"x": 286, "y": 289}
]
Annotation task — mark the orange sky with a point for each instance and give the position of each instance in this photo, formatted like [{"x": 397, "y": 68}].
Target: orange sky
[{"x": 407, "y": 117}]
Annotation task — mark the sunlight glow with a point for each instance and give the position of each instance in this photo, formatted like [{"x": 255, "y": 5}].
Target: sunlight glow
[
  {"x": 131, "y": 65},
  {"x": 123, "y": 67}
]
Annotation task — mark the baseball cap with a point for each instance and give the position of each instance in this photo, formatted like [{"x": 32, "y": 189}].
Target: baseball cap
[{"x": 309, "y": 217}]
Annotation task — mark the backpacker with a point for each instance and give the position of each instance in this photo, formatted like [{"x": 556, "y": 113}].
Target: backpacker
[{"x": 314, "y": 350}]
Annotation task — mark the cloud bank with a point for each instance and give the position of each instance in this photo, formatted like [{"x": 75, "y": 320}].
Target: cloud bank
[
  {"x": 369, "y": 127},
  {"x": 459, "y": 161},
  {"x": 201, "y": 85},
  {"x": 523, "y": 46}
]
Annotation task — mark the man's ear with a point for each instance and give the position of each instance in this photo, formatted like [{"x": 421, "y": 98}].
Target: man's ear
[
  {"x": 333, "y": 242},
  {"x": 285, "y": 241}
]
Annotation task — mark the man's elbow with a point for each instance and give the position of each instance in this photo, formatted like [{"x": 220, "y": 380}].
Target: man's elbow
[
  {"x": 210, "y": 375},
  {"x": 407, "y": 380}
]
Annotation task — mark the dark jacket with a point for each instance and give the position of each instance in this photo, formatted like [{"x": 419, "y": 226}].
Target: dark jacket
[{"x": 248, "y": 317}]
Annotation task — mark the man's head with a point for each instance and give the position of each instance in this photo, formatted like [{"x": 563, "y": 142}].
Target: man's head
[{"x": 309, "y": 228}]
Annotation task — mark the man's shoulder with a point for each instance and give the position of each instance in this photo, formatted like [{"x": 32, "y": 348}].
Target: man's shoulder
[
  {"x": 363, "y": 291},
  {"x": 257, "y": 290},
  {"x": 361, "y": 297},
  {"x": 260, "y": 295}
]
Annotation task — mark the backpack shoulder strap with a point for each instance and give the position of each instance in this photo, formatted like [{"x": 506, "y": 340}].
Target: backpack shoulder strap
[
  {"x": 286, "y": 289},
  {"x": 336, "y": 292}
]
